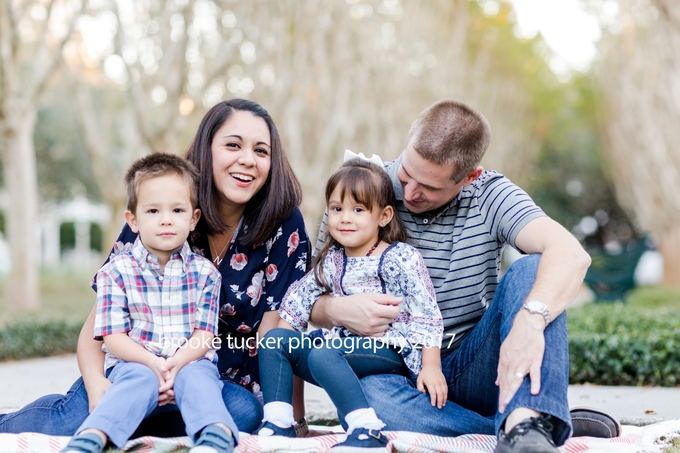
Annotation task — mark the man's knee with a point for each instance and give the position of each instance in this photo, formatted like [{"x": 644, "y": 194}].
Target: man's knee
[{"x": 526, "y": 264}]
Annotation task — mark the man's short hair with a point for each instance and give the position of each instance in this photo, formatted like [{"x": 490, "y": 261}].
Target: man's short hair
[
  {"x": 451, "y": 132},
  {"x": 154, "y": 166}
]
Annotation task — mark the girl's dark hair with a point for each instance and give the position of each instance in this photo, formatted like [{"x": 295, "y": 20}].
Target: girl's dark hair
[
  {"x": 370, "y": 185},
  {"x": 272, "y": 204}
]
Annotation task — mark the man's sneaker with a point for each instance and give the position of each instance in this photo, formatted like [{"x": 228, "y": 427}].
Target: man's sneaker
[
  {"x": 533, "y": 435},
  {"x": 594, "y": 423},
  {"x": 362, "y": 439},
  {"x": 270, "y": 429}
]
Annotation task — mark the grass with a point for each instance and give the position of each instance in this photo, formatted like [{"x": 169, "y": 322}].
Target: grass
[
  {"x": 65, "y": 296},
  {"x": 655, "y": 297}
]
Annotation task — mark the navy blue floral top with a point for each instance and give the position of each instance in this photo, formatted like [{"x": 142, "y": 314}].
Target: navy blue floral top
[{"x": 254, "y": 280}]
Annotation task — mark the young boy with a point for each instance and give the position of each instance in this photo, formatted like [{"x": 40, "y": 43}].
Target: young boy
[{"x": 157, "y": 312}]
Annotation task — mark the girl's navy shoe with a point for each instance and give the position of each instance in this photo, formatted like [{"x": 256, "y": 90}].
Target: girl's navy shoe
[
  {"x": 270, "y": 429},
  {"x": 362, "y": 439}
]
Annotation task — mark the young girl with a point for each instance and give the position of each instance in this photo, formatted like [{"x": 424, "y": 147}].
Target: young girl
[{"x": 364, "y": 253}]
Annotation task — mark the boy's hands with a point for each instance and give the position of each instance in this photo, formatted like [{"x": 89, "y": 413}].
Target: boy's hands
[
  {"x": 165, "y": 370},
  {"x": 170, "y": 369},
  {"x": 432, "y": 379}
]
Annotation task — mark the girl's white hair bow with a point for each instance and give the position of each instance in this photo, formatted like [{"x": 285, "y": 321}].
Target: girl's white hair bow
[{"x": 374, "y": 158}]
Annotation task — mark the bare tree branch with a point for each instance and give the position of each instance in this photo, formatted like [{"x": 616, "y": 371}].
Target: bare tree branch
[{"x": 55, "y": 59}]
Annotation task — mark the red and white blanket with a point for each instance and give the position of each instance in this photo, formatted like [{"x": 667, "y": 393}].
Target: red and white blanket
[{"x": 649, "y": 439}]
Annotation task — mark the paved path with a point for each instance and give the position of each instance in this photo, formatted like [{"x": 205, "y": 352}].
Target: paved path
[{"x": 24, "y": 381}]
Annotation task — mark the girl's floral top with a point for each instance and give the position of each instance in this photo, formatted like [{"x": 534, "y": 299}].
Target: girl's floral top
[
  {"x": 254, "y": 280},
  {"x": 399, "y": 271}
]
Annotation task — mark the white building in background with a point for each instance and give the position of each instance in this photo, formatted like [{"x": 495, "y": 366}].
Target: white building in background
[{"x": 51, "y": 217}]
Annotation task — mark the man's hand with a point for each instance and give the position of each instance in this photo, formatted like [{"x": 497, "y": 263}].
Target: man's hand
[
  {"x": 432, "y": 379},
  {"x": 95, "y": 390},
  {"x": 366, "y": 314},
  {"x": 521, "y": 354}
]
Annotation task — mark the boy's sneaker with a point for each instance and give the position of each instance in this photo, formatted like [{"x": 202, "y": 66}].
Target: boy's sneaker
[
  {"x": 84, "y": 443},
  {"x": 530, "y": 436},
  {"x": 213, "y": 439},
  {"x": 362, "y": 439},
  {"x": 270, "y": 429}
]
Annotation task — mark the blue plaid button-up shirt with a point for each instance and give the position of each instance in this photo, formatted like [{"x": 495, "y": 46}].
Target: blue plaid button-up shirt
[{"x": 156, "y": 309}]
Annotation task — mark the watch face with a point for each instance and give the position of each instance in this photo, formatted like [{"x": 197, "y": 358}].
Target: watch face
[{"x": 535, "y": 305}]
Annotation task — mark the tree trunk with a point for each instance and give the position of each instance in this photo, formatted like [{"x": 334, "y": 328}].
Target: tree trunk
[
  {"x": 115, "y": 224},
  {"x": 669, "y": 246},
  {"x": 22, "y": 234}
]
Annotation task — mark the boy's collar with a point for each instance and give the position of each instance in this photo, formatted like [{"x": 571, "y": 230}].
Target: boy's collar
[{"x": 145, "y": 258}]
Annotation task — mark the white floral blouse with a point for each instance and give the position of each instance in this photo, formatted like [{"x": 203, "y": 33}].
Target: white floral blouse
[{"x": 398, "y": 271}]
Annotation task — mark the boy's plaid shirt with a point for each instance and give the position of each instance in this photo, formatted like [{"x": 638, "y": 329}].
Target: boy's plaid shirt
[{"x": 157, "y": 310}]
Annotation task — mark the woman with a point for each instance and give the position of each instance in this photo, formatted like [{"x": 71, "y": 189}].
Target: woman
[{"x": 253, "y": 232}]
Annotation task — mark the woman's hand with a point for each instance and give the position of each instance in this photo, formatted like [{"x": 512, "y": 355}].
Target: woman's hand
[
  {"x": 97, "y": 386},
  {"x": 432, "y": 379}
]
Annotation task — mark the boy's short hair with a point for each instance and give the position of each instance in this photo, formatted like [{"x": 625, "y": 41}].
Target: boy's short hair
[
  {"x": 156, "y": 165},
  {"x": 451, "y": 132}
]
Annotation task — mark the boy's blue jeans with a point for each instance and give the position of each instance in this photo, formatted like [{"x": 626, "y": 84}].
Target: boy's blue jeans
[
  {"x": 133, "y": 395},
  {"x": 61, "y": 415},
  {"x": 335, "y": 365},
  {"x": 471, "y": 373}
]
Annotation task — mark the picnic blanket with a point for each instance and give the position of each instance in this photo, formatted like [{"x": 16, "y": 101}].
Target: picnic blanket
[{"x": 652, "y": 438}]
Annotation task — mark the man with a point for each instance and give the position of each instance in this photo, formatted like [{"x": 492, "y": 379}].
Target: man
[{"x": 505, "y": 354}]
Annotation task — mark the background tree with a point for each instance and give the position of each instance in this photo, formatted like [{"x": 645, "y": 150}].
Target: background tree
[
  {"x": 639, "y": 76},
  {"x": 32, "y": 36}
]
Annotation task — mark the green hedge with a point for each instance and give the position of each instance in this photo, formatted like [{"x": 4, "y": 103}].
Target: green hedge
[
  {"x": 619, "y": 344},
  {"x": 27, "y": 339}
]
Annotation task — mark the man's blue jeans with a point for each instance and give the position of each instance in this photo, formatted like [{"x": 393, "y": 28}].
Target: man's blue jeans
[
  {"x": 334, "y": 364},
  {"x": 471, "y": 372},
  {"x": 61, "y": 415}
]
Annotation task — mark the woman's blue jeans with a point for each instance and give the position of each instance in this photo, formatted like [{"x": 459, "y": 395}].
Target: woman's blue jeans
[
  {"x": 61, "y": 415},
  {"x": 471, "y": 373},
  {"x": 335, "y": 364}
]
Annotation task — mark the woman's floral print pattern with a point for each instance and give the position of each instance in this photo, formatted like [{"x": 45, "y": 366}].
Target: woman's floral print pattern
[{"x": 293, "y": 242}]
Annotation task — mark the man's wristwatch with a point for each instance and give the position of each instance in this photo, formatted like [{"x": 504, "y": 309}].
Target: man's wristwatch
[{"x": 536, "y": 306}]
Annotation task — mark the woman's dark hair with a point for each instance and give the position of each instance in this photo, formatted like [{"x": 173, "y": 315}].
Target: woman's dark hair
[
  {"x": 370, "y": 185},
  {"x": 272, "y": 204}
]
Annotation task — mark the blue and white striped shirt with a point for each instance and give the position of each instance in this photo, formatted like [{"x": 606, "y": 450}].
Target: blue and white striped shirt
[{"x": 462, "y": 243}]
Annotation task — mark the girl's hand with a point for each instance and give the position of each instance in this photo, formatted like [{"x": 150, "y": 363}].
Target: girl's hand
[{"x": 432, "y": 378}]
